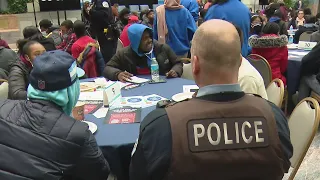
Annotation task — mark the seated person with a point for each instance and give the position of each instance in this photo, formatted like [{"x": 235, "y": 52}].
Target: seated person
[
  {"x": 124, "y": 35},
  {"x": 148, "y": 21},
  {"x": 87, "y": 53},
  {"x": 41, "y": 136},
  {"x": 32, "y": 33},
  {"x": 249, "y": 78},
  {"x": 7, "y": 58},
  {"x": 48, "y": 30},
  {"x": 297, "y": 20},
  {"x": 276, "y": 17},
  {"x": 19, "y": 73},
  {"x": 82, "y": 39},
  {"x": 200, "y": 138},
  {"x": 136, "y": 58},
  {"x": 273, "y": 48},
  {"x": 309, "y": 25},
  {"x": 68, "y": 36},
  {"x": 315, "y": 36},
  {"x": 310, "y": 73},
  {"x": 256, "y": 25}
]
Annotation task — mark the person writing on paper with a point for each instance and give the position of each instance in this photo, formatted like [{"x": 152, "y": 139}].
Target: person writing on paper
[
  {"x": 136, "y": 58},
  {"x": 41, "y": 136},
  {"x": 221, "y": 129}
]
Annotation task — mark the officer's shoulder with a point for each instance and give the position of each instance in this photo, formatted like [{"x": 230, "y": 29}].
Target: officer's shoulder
[{"x": 158, "y": 114}]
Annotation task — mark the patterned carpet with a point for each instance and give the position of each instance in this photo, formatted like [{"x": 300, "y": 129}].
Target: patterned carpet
[{"x": 310, "y": 167}]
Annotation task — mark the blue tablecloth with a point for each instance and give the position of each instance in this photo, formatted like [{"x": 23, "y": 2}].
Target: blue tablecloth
[
  {"x": 116, "y": 141},
  {"x": 293, "y": 70}
]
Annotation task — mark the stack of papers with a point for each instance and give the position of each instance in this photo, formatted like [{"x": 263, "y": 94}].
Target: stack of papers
[{"x": 138, "y": 80}]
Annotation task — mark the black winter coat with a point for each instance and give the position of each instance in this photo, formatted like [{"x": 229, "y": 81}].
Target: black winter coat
[
  {"x": 40, "y": 142},
  {"x": 127, "y": 60},
  {"x": 18, "y": 81}
]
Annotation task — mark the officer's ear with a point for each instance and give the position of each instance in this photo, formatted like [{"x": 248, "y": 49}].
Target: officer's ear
[{"x": 195, "y": 65}]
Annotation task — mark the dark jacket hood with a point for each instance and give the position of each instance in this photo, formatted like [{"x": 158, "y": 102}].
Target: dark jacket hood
[
  {"x": 268, "y": 41},
  {"x": 135, "y": 32}
]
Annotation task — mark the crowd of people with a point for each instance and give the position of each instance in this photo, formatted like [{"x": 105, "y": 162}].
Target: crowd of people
[{"x": 196, "y": 139}]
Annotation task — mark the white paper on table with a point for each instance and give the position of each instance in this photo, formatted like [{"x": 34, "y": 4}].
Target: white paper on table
[
  {"x": 123, "y": 84},
  {"x": 91, "y": 96},
  {"x": 133, "y": 101},
  {"x": 298, "y": 53},
  {"x": 152, "y": 100},
  {"x": 138, "y": 80},
  {"x": 101, "y": 81},
  {"x": 102, "y": 112},
  {"x": 190, "y": 88}
]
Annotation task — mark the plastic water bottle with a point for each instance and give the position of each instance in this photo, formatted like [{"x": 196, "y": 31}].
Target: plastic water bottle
[
  {"x": 291, "y": 29},
  {"x": 290, "y": 39},
  {"x": 154, "y": 70}
]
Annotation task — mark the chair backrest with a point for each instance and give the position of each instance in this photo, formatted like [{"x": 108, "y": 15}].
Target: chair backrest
[
  {"x": 134, "y": 8},
  {"x": 119, "y": 45},
  {"x": 275, "y": 92},
  {"x": 120, "y": 8},
  {"x": 306, "y": 36},
  {"x": 4, "y": 89},
  {"x": 303, "y": 125},
  {"x": 144, "y": 7},
  {"x": 187, "y": 72},
  {"x": 262, "y": 66},
  {"x": 154, "y": 6}
]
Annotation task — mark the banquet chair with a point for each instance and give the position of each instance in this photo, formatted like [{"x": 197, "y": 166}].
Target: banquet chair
[
  {"x": 134, "y": 8},
  {"x": 306, "y": 36},
  {"x": 120, "y": 8},
  {"x": 154, "y": 6},
  {"x": 119, "y": 45},
  {"x": 315, "y": 96},
  {"x": 187, "y": 72},
  {"x": 303, "y": 124},
  {"x": 275, "y": 92},
  {"x": 4, "y": 89},
  {"x": 262, "y": 66},
  {"x": 144, "y": 7}
]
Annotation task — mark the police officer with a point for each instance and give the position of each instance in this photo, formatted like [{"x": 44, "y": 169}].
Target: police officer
[
  {"x": 102, "y": 22},
  {"x": 220, "y": 134}
]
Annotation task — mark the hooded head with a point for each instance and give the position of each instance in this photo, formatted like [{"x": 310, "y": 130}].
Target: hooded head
[
  {"x": 54, "y": 78},
  {"x": 140, "y": 37}
]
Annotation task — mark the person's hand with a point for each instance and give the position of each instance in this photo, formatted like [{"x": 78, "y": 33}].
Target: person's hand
[
  {"x": 124, "y": 76},
  {"x": 172, "y": 74}
]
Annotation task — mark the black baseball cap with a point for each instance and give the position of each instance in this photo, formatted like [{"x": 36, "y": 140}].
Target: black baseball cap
[{"x": 53, "y": 71}]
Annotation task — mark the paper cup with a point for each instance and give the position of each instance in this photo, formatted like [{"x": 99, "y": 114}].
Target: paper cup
[{"x": 78, "y": 111}]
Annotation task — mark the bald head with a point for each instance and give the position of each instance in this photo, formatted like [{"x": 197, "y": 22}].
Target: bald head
[{"x": 216, "y": 46}]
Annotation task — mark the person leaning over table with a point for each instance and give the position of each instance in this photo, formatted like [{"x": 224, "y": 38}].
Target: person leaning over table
[
  {"x": 19, "y": 73},
  {"x": 222, "y": 132},
  {"x": 42, "y": 140},
  {"x": 136, "y": 58}
]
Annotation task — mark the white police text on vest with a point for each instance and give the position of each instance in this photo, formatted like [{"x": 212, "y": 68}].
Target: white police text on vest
[{"x": 227, "y": 133}]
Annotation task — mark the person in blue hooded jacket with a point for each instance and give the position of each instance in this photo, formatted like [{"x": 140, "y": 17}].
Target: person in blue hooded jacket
[
  {"x": 193, "y": 7},
  {"x": 136, "y": 58},
  {"x": 235, "y": 12},
  {"x": 175, "y": 26}
]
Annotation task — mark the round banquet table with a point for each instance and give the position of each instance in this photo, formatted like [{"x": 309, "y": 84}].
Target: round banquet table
[
  {"x": 117, "y": 140},
  {"x": 293, "y": 73}
]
